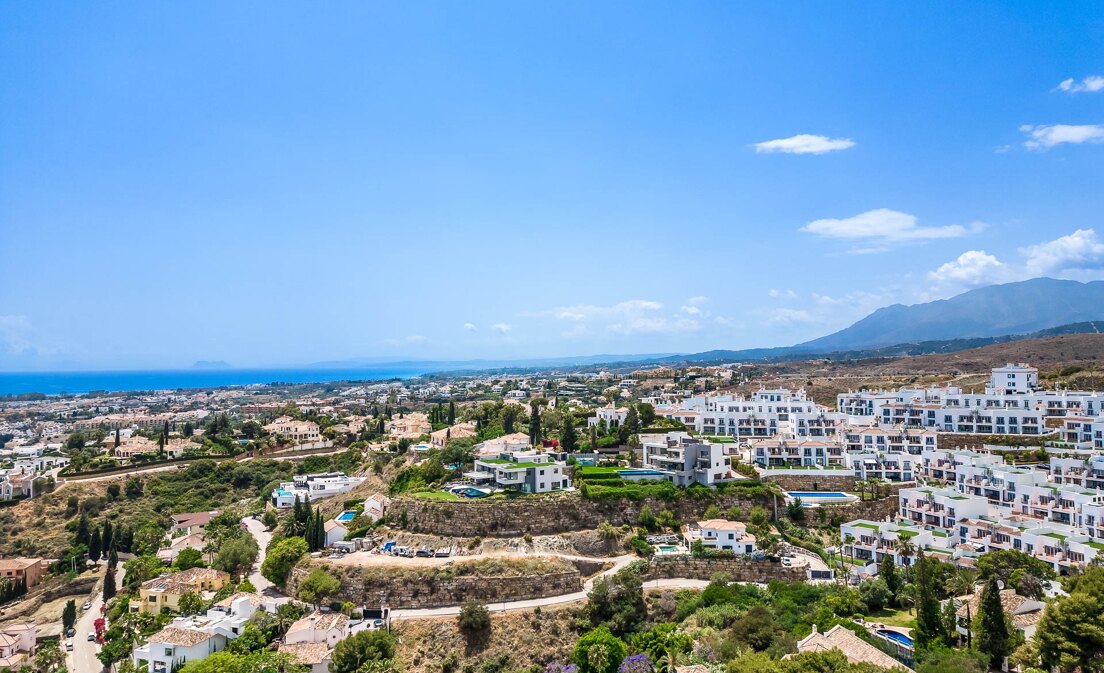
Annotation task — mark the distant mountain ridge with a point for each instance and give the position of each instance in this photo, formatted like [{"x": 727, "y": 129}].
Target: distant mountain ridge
[
  {"x": 996, "y": 310},
  {"x": 1023, "y": 310}
]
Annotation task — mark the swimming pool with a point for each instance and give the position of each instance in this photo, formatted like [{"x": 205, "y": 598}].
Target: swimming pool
[
  {"x": 667, "y": 548},
  {"x": 896, "y": 636},
  {"x": 347, "y": 515},
  {"x": 823, "y": 495}
]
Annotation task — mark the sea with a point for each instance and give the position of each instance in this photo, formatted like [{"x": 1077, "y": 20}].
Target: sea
[{"x": 58, "y": 383}]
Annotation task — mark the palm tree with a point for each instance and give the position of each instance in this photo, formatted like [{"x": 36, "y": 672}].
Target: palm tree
[
  {"x": 906, "y": 549},
  {"x": 906, "y": 596},
  {"x": 669, "y": 662},
  {"x": 962, "y": 582},
  {"x": 49, "y": 657}
]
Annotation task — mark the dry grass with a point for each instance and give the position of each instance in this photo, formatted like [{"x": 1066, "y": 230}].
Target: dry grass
[{"x": 518, "y": 640}]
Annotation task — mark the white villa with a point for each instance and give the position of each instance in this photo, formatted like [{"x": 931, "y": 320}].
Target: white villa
[{"x": 309, "y": 487}]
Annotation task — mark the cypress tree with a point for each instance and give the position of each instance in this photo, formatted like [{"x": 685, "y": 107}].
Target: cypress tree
[
  {"x": 535, "y": 425},
  {"x": 106, "y": 539},
  {"x": 82, "y": 535},
  {"x": 929, "y": 627},
  {"x": 109, "y": 584},
  {"x": 94, "y": 546},
  {"x": 117, "y": 439},
  {"x": 993, "y": 637},
  {"x": 452, "y": 413},
  {"x": 112, "y": 558},
  {"x": 888, "y": 572}
]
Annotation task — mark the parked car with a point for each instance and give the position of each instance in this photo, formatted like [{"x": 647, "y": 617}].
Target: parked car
[
  {"x": 87, "y": 605},
  {"x": 91, "y": 636},
  {"x": 70, "y": 632},
  {"x": 787, "y": 561},
  {"x": 68, "y": 644}
]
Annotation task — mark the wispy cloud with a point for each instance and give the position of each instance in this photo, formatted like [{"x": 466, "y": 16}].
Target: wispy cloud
[
  {"x": 1046, "y": 137},
  {"x": 882, "y": 228},
  {"x": 501, "y": 327},
  {"x": 804, "y": 144},
  {"x": 470, "y": 327},
  {"x": 1090, "y": 84}
]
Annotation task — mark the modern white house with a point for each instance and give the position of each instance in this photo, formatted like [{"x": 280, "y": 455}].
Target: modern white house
[
  {"x": 329, "y": 628},
  {"x": 526, "y": 471},
  {"x": 684, "y": 460},
  {"x": 311, "y": 487},
  {"x": 612, "y": 416}
]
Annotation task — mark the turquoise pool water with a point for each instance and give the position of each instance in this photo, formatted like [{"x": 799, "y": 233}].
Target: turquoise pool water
[{"x": 347, "y": 515}]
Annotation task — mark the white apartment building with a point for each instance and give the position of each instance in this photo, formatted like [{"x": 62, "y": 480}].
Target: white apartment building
[
  {"x": 943, "y": 465},
  {"x": 871, "y": 541},
  {"x": 310, "y": 487},
  {"x": 898, "y": 439},
  {"x": 684, "y": 460},
  {"x": 780, "y": 452},
  {"x": 940, "y": 508},
  {"x": 767, "y": 413}
]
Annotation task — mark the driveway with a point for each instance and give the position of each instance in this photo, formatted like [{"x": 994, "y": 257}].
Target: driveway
[{"x": 263, "y": 537}]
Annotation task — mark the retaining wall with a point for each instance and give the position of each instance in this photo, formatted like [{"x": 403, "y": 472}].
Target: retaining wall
[
  {"x": 369, "y": 587},
  {"x": 545, "y": 514},
  {"x": 740, "y": 569}
]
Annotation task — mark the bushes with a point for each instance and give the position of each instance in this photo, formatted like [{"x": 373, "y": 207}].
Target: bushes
[{"x": 474, "y": 617}]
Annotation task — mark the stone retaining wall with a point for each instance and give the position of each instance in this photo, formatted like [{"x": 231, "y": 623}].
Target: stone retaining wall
[
  {"x": 802, "y": 482},
  {"x": 368, "y": 587},
  {"x": 740, "y": 569}
]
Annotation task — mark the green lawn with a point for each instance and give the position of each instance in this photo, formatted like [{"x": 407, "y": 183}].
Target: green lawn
[
  {"x": 894, "y": 618},
  {"x": 436, "y": 495}
]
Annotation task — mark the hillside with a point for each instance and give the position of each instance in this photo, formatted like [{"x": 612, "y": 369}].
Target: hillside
[
  {"x": 1012, "y": 308},
  {"x": 1078, "y": 356}
]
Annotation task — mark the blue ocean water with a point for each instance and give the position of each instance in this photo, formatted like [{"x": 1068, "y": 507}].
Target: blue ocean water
[{"x": 55, "y": 383}]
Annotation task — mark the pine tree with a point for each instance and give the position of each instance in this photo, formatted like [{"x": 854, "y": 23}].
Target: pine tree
[
  {"x": 993, "y": 637},
  {"x": 94, "y": 546},
  {"x": 569, "y": 441}
]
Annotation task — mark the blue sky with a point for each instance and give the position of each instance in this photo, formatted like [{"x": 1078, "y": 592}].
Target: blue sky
[{"x": 282, "y": 183}]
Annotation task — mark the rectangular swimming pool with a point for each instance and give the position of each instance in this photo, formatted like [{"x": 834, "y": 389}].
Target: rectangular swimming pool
[{"x": 824, "y": 495}]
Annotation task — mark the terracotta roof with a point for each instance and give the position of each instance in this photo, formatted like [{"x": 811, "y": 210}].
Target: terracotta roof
[
  {"x": 172, "y": 635},
  {"x": 321, "y": 621},
  {"x": 330, "y": 525},
  {"x": 193, "y": 518},
  {"x": 853, "y": 647},
  {"x": 18, "y": 563},
  {"x": 254, "y": 600},
  {"x": 1024, "y": 611},
  {"x": 306, "y": 653},
  {"x": 722, "y": 524}
]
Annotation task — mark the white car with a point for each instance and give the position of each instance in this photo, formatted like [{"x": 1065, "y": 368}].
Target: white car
[
  {"x": 68, "y": 644},
  {"x": 787, "y": 561}
]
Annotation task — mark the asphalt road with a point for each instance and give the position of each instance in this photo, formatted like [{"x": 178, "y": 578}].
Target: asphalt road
[{"x": 83, "y": 657}]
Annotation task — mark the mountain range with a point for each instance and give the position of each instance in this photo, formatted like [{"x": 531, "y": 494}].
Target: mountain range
[{"x": 1027, "y": 309}]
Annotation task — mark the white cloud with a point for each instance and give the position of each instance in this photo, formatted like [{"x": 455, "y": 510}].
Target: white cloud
[
  {"x": 501, "y": 327},
  {"x": 417, "y": 339},
  {"x": 690, "y": 310},
  {"x": 884, "y": 227},
  {"x": 1078, "y": 254},
  {"x": 777, "y": 294},
  {"x": 470, "y": 327},
  {"x": 804, "y": 144},
  {"x": 785, "y": 317},
  {"x": 971, "y": 269},
  {"x": 697, "y": 301},
  {"x": 1045, "y": 137},
  {"x": 1090, "y": 84}
]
